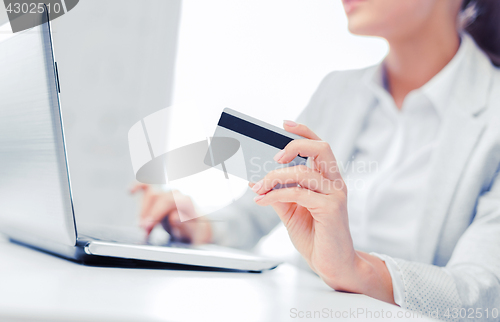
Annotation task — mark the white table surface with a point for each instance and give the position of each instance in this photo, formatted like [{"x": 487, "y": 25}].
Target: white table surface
[{"x": 35, "y": 286}]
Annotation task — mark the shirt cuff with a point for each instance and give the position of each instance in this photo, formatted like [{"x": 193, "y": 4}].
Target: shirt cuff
[{"x": 398, "y": 286}]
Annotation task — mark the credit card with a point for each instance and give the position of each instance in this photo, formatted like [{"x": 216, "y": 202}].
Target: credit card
[{"x": 259, "y": 142}]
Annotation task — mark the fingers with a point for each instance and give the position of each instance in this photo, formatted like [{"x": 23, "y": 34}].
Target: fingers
[
  {"x": 302, "y": 197},
  {"x": 301, "y": 175},
  {"x": 195, "y": 232},
  {"x": 148, "y": 200},
  {"x": 319, "y": 151},
  {"x": 165, "y": 208},
  {"x": 173, "y": 226},
  {"x": 300, "y": 129},
  {"x": 175, "y": 230},
  {"x": 160, "y": 208}
]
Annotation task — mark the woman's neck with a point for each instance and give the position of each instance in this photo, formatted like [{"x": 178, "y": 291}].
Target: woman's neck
[{"x": 414, "y": 61}]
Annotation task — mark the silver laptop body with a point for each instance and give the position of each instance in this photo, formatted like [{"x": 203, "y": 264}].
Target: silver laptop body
[{"x": 36, "y": 202}]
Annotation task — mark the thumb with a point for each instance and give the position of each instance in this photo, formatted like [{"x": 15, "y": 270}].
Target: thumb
[{"x": 300, "y": 129}]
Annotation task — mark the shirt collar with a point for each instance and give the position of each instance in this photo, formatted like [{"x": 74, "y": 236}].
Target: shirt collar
[
  {"x": 440, "y": 87},
  {"x": 437, "y": 90}
]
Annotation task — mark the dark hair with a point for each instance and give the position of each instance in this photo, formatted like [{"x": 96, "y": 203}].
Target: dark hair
[{"x": 484, "y": 25}]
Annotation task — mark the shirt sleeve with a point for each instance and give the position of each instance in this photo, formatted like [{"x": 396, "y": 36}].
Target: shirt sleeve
[{"x": 398, "y": 287}]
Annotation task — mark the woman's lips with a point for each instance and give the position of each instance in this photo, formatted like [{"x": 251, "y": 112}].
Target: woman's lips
[{"x": 350, "y": 5}]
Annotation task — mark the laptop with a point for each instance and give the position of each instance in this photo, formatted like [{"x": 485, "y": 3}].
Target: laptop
[{"x": 36, "y": 201}]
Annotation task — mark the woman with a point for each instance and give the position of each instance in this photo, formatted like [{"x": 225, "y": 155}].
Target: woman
[{"x": 402, "y": 202}]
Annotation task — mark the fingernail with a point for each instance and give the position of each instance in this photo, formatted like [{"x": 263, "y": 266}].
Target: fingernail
[
  {"x": 257, "y": 186},
  {"x": 259, "y": 197},
  {"x": 290, "y": 123},
  {"x": 278, "y": 156}
]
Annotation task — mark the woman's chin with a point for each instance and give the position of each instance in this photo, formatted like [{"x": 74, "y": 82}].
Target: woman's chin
[
  {"x": 364, "y": 26},
  {"x": 359, "y": 29}
]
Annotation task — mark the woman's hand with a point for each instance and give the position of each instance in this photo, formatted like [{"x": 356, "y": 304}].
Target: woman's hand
[
  {"x": 315, "y": 215},
  {"x": 164, "y": 207}
]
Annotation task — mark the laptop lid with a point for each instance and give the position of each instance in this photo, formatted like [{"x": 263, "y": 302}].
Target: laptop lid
[
  {"x": 35, "y": 194},
  {"x": 116, "y": 66}
]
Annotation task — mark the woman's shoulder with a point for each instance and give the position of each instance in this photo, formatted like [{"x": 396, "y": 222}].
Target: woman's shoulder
[
  {"x": 339, "y": 86},
  {"x": 346, "y": 78},
  {"x": 337, "y": 90}
]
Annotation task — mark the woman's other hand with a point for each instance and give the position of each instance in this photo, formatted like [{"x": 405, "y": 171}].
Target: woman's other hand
[{"x": 165, "y": 208}]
